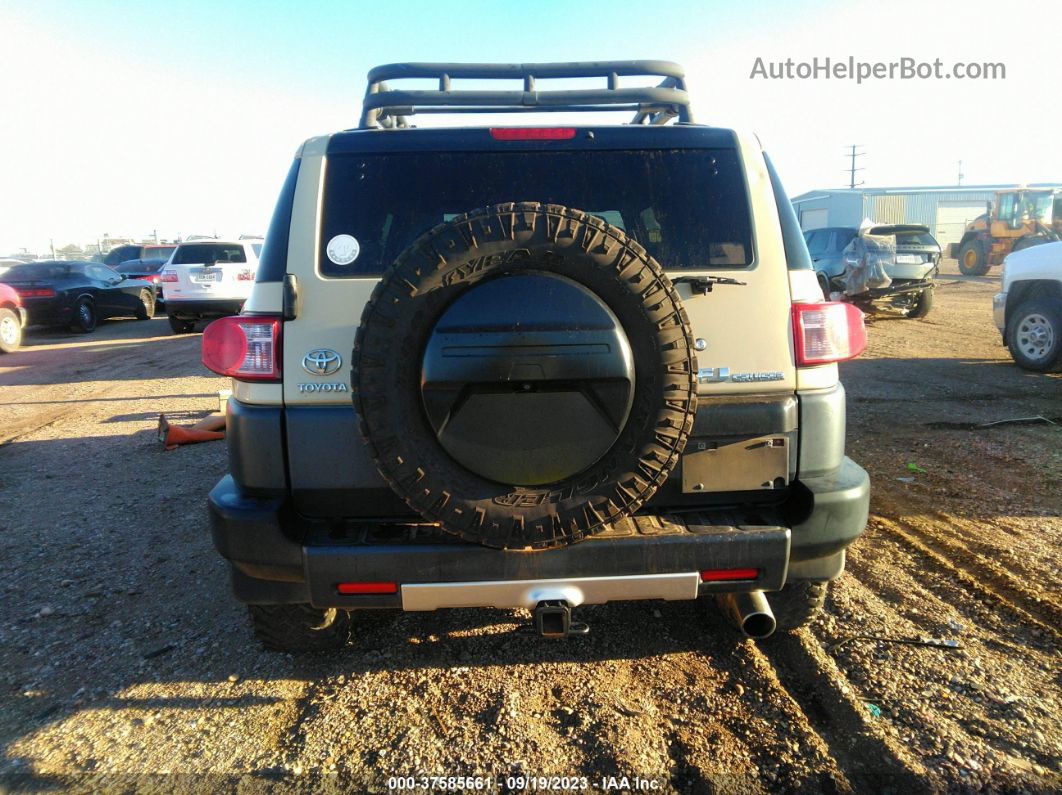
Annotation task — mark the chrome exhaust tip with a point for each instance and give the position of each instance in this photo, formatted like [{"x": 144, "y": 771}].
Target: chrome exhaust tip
[{"x": 749, "y": 612}]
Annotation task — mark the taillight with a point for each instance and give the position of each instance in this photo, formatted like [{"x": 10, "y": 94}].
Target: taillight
[
  {"x": 153, "y": 278},
  {"x": 168, "y": 276},
  {"x": 246, "y": 275},
  {"x": 245, "y": 347},
  {"x": 36, "y": 292},
  {"x": 531, "y": 133},
  {"x": 367, "y": 587},
  {"x": 828, "y": 332},
  {"x": 726, "y": 575}
]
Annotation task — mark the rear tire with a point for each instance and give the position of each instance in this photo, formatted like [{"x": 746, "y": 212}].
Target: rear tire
[
  {"x": 973, "y": 259},
  {"x": 1028, "y": 242},
  {"x": 10, "y": 331},
  {"x": 798, "y": 603},
  {"x": 300, "y": 627},
  {"x": 181, "y": 326},
  {"x": 146, "y": 311},
  {"x": 84, "y": 316},
  {"x": 1034, "y": 335},
  {"x": 922, "y": 305}
]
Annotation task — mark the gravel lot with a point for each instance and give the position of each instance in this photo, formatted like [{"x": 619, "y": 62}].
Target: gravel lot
[{"x": 124, "y": 664}]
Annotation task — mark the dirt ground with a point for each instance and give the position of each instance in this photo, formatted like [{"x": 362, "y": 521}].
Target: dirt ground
[{"x": 124, "y": 663}]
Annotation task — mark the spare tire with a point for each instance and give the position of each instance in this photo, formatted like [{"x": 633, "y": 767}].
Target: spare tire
[{"x": 524, "y": 374}]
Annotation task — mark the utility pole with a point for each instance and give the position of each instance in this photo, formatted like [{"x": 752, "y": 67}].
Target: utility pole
[
  {"x": 155, "y": 232},
  {"x": 51, "y": 245},
  {"x": 961, "y": 175},
  {"x": 853, "y": 154}
]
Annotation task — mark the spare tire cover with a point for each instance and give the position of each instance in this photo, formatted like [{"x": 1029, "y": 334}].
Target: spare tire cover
[{"x": 433, "y": 366}]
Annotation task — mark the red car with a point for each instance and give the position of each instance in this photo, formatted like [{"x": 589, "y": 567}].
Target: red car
[{"x": 12, "y": 319}]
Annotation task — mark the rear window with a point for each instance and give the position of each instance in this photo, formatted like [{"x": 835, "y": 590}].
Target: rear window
[
  {"x": 689, "y": 208},
  {"x": 198, "y": 253},
  {"x": 163, "y": 252},
  {"x": 915, "y": 239},
  {"x": 35, "y": 272}
]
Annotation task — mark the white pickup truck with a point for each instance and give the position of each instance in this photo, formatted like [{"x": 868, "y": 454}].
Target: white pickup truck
[{"x": 1028, "y": 310}]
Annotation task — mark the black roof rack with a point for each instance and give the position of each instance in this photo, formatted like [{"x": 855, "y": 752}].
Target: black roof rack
[{"x": 384, "y": 106}]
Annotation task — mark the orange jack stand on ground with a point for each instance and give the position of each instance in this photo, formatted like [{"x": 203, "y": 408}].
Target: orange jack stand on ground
[{"x": 206, "y": 430}]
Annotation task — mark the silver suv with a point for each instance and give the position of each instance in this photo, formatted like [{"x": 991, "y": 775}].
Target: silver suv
[{"x": 533, "y": 367}]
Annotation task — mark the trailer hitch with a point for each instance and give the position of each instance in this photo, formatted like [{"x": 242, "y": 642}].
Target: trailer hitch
[{"x": 553, "y": 619}]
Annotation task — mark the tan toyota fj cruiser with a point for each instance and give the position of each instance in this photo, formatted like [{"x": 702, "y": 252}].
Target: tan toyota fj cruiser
[{"x": 533, "y": 367}]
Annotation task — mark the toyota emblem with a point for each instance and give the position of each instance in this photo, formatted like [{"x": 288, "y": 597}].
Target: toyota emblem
[{"x": 321, "y": 361}]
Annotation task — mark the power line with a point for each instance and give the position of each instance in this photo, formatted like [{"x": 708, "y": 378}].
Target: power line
[{"x": 853, "y": 154}]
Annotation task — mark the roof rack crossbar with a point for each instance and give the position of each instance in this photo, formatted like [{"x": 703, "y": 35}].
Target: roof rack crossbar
[{"x": 384, "y": 106}]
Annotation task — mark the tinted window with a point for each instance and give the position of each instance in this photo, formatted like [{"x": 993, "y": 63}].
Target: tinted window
[
  {"x": 101, "y": 273},
  {"x": 198, "y": 253},
  {"x": 839, "y": 240},
  {"x": 121, "y": 254},
  {"x": 687, "y": 207},
  {"x": 796, "y": 250},
  {"x": 157, "y": 252},
  {"x": 915, "y": 239},
  {"x": 37, "y": 271},
  {"x": 273, "y": 263},
  {"x": 818, "y": 242},
  {"x": 257, "y": 248}
]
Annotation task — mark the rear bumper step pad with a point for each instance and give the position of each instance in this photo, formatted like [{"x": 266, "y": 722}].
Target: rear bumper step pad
[{"x": 529, "y": 593}]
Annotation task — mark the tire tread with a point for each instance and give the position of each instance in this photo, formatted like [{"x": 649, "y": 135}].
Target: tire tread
[{"x": 452, "y": 253}]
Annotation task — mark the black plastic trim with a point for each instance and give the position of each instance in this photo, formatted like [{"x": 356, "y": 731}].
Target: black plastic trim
[
  {"x": 838, "y": 505},
  {"x": 796, "y": 247},
  {"x": 332, "y": 472},
  {"x": 756, "y": 415},
  {"x": 256, "y": 535},
  {"x": 248, "y": 531},
  {"x": 273, "y": 263},
  {"x": 255, "y": 439},
  {"x": 710, "y": 547}
]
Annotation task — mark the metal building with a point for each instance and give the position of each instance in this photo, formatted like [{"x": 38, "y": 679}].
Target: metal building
[{"x": 946, "y": 210}]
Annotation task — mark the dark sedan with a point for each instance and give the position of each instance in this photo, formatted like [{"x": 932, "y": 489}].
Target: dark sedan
[
  {"x": 78, "y": 294},
  {"x": 122, "y": 253},
  {"x": 152, "y": 258}
]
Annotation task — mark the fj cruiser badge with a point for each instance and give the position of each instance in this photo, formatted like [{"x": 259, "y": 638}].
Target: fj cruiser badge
[
  {"x": 718, "y": 375},
  {"x": 321, "y": 361}
]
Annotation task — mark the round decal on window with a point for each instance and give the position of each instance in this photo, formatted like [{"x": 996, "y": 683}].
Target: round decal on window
[{"x": 343, "y": 249}]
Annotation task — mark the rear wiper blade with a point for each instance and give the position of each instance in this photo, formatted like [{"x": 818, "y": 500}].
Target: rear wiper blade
[{"x": 704, "y": 284}]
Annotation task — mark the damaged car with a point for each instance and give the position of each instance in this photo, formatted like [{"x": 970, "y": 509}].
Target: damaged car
[{"x": 887, "y": 267}]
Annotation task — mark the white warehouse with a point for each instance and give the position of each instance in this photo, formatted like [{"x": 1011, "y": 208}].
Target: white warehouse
[{"x": 946, "y": 210}]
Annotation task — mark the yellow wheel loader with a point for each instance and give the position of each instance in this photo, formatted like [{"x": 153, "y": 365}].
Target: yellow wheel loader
[{"x": 1019, "y": 218}]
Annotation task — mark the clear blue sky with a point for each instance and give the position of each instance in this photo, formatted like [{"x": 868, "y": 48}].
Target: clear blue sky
[{"x": 123, "y": 117}]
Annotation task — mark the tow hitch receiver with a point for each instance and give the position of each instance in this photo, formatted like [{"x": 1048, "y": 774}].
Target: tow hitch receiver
[{"x": 553, "y": 619}]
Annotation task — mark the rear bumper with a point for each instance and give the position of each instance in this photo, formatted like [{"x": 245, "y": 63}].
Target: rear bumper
[
  {"x": 257, "y": 536},
  {"x": 47, "y": 312},
  {"x": 217, "y": 307},
  {"x": 999, "y": 311}
]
